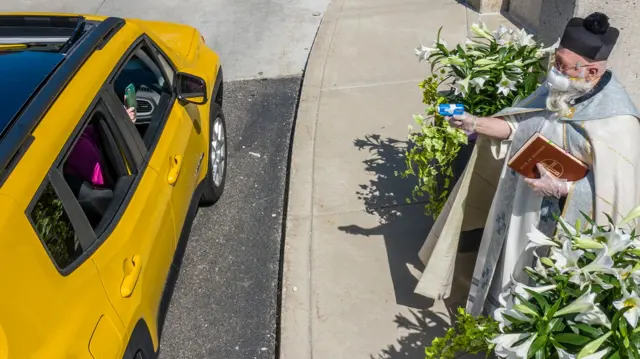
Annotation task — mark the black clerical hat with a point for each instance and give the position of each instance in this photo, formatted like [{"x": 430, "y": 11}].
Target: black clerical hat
[{"x": 592, "y": 37}]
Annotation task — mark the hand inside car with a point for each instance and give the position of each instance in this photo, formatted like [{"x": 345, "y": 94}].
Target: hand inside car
[{"x": 131, "y": 111}]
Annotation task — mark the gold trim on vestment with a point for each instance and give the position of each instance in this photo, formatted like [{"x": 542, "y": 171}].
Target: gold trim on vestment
[{"x": 566, "y": 202}]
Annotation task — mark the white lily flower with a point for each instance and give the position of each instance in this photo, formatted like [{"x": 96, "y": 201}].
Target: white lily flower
[
  {"x": 502, "y": 36},
  {"x": 602, "y": 264},
  {"x": 506, "y": 308},
  {"x": 580, "y": 305},
  {"x": 538, "y": 239},
  {"x": 594, "y": 317},
  {"x": 461, "y": 86},
  {"x": 524, "y": 39},
  {"x": 505, "y": 86},
  {"x": 484, "y": 27},
  {"x": 548, "y": 50},
  {"x": 594, "y": 278},
  {"x": 423, "y": 52},
  {"x": 456, "y": 60},
  {"x": 505, "y": 345},
  {"x": 521, "y": 289},
  {"x": 566, "y": 259},
  {"x": 629, "y": 272},
  {"x": 540, "y": 269},
  {"x": 471, "y": 43},
  {"x": 565, "y": 355},
  {"x": 478, "y": 83},
  {"x": 482, "y": 31},
  {"x": 439, "y": 41},
  {"x": 629, "y": 300},
  {"x": 617, "y": 240}
]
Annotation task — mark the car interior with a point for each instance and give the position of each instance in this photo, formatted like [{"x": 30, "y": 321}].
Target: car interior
[
  {"x": 101, "y": 203},
  {"x": 151, "y": 91}
]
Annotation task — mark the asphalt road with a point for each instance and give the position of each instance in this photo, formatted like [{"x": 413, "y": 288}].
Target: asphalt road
[{"x": 225, "y": 300}]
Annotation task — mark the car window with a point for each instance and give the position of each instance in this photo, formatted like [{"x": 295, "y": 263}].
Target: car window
[
  {"x": 144, "y": 71},
  {"x": 54, "y": 228},
  {"x": 97, "y": 170}
]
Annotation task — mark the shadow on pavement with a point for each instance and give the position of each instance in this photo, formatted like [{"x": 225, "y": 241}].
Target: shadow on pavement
[
  {"x": 403, "y": 226},
  {"x": 420, "y": 330}
]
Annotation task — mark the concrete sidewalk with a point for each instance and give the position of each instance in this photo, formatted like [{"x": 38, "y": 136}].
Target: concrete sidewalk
[{"x": 351, "y": 241}]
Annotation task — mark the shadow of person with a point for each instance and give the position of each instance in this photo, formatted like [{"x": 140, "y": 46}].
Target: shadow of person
[{"x": 403, "y": 226}]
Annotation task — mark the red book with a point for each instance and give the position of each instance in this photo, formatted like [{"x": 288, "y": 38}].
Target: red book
[{"x": 538, "y": 149}]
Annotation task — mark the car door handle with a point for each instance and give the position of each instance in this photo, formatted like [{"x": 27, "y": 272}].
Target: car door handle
[
  {"x": 132, "y": 269},
  {"x": 174, "y": 171}
]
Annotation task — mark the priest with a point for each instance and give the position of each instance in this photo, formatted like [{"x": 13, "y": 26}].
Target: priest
[{"x": 581, "y": 107}]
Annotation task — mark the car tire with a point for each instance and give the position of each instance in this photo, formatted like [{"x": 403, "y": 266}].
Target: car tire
[{"x": 217, "y": 169}]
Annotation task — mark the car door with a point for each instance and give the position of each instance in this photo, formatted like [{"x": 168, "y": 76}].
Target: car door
[
  {"x": 139, "y": 241},
  {"x": 182, "y": 145}
]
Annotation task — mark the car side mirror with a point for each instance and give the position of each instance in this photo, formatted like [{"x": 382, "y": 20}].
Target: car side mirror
[{"x": 191, "y": 88}]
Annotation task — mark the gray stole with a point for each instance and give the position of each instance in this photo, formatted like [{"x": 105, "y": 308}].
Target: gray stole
[{"x": 531, "y": 114}]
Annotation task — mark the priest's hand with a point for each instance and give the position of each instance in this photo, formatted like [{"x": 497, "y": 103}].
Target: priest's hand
[
  {"x": 548, "y": 185},
  {"x": 466, "y": 122}
]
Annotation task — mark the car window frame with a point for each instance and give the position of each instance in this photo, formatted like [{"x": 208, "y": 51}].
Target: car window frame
[
  {"x": 76, "y": 215},
  {"x": 145, "y": 40}
]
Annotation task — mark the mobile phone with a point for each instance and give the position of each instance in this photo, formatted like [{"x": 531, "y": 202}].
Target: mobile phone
[{"x": 130, "y": 96}]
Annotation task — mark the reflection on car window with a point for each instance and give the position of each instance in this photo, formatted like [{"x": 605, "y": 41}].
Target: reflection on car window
[
  {"x": 166, "y": 67},
  {"x": 54, "y": 228}
]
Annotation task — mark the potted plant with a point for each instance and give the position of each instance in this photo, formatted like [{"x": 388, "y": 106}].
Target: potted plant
[
  {"x": 491, "y": 71},
  {"x": 585, "y": 303}
]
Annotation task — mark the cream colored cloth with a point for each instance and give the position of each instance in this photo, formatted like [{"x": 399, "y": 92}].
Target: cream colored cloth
[{"x": 466, "y": 209}]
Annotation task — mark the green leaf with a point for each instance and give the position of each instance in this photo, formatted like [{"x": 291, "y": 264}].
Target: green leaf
[
  {"x": 634, "y": 214},
  {"x": 593, "y": 332},
  {"x": 571, "y": 338},
  {"x": 556, "y": 325},
  {"x": 623, "y": 327},
  {"x": 617, "y": 316},
  {"x": 556, "y": 344},
  {"x": 514, "y": 320},
  {"x": 537, "y": 345},
  {"x": 588, "y": 219},
  {"x": 593, "y": 346},
  {"x": 544, "y": 305},
  {"x": 525, "y": 310},
  {"x": 609, "y": 218}
]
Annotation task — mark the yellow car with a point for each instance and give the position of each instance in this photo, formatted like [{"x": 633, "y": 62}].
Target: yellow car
[{"x": 111, "y": 134}]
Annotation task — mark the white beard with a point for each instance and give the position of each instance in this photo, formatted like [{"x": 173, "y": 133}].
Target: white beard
[{"x": 559, "y": 102}]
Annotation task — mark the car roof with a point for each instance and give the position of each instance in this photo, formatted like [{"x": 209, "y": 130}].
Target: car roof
[{"x": 39, "y": 54}]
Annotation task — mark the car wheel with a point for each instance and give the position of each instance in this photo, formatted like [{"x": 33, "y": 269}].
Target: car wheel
[{"x": 217, "y": 169}]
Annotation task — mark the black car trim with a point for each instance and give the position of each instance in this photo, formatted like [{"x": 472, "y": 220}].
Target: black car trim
[
  {"x": 217, "y": 88},
  {"x": 26, "y": 121}
]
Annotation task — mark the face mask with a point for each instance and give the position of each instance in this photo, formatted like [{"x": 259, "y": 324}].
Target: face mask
[{"x": 558, "y": 81}]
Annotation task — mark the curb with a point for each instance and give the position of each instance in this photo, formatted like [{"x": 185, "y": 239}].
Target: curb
[{"x": 297, "y": 291}]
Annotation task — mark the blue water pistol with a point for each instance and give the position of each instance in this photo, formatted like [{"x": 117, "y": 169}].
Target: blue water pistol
[{"x": 448, "y": 109}]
